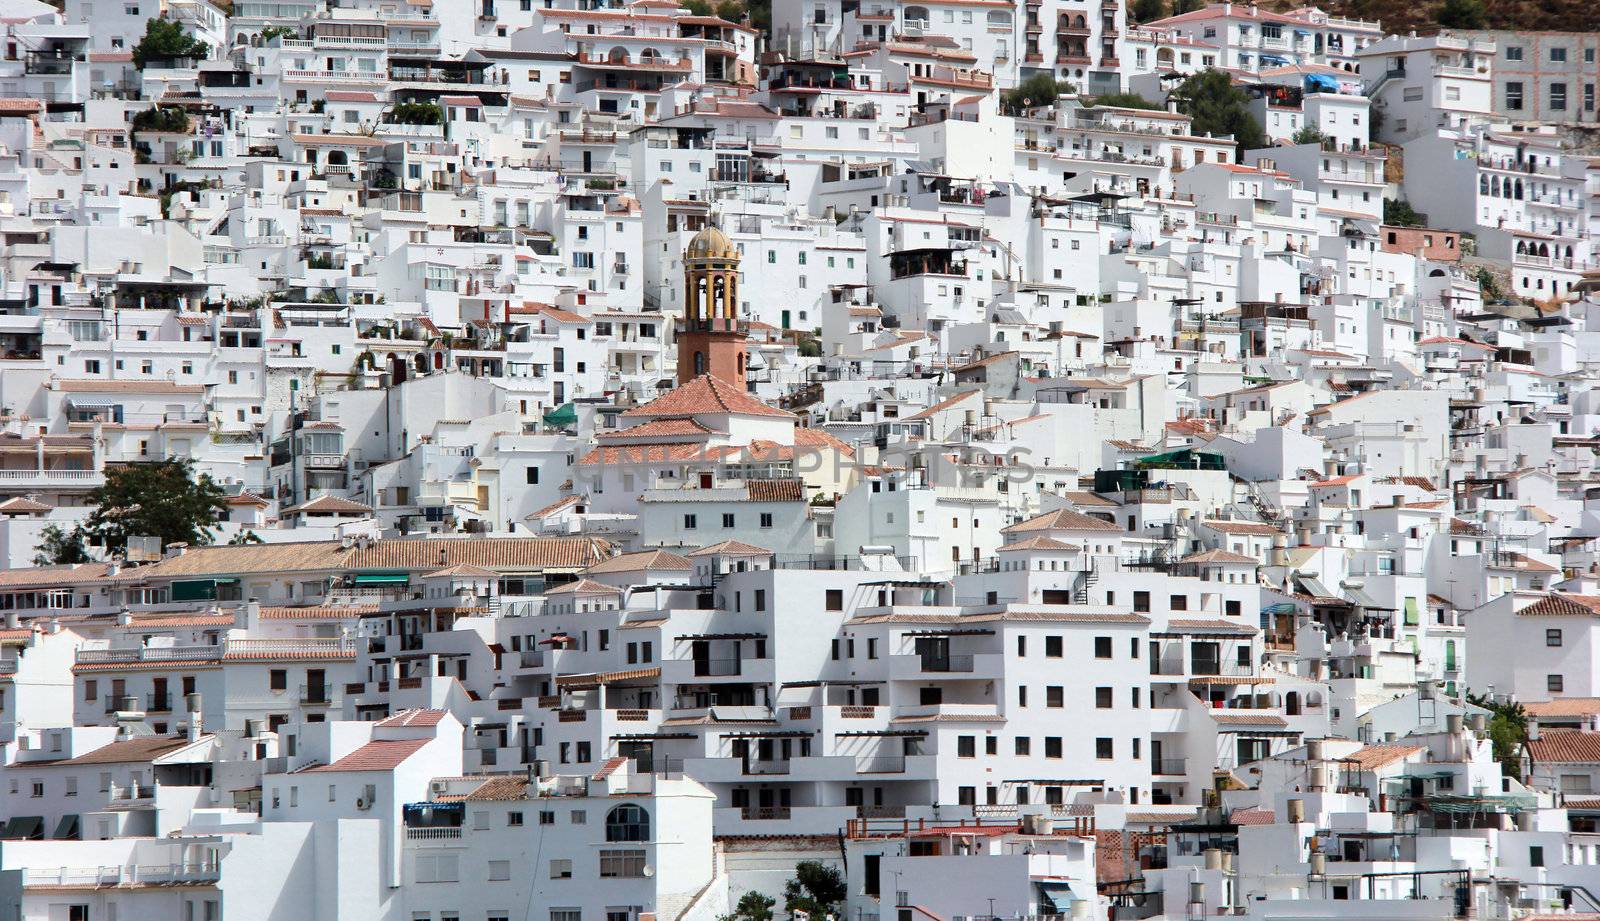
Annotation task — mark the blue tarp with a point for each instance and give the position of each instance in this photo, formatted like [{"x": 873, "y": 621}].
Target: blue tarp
[{"x": 1321, "y": 83}]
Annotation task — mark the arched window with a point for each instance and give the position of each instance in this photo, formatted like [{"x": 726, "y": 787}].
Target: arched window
[
  {"x": 628, "y": 822},
  {"x": 1483, "y": 184},
  {"x": 699, "y": 363},
  {"x": 918, "y": 15}
]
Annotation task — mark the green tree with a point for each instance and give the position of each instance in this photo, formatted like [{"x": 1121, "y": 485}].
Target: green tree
[
  {"x": 1399, "y": 213},
  {"x": 1463, "y": 14},
  {"x": 271, "y": 32},
  {"x": 1179, "y": 7},
  {"x": 1508, "y": 730},
  {"x": 1148, "y": 10},
  {"x": 244, "y": 538},
  {"x": 164, "y": 40},
  {"x": 58, "y": 547},
  {"x": 752, "y": 906},
  {"x": 418, "y": 113},
  {"x": 1309, "y": 135},
  {"x": 1217, "y": 107},
  {"x": 1037, "y": 90},
  {"x": 161, "y": 498},
  {"x": 1126, "y": 101},
  {"x": 165, "y": 119},
  {"x": 817, "y": 889}
]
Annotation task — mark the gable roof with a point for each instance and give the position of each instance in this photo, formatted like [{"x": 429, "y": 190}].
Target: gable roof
[
  {"x": 379, "y": 755},
  {"x": 705, "y": 395},
  {"x": 131, "y": 751},
  {"x": 1559, "y": 604},
  {"x": 1566, "y": 748},
  {"x": 1060, "y": 520}
]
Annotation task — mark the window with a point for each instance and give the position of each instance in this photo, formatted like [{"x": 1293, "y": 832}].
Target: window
[
  {"x": 1052, "y": 647},
  {"x": 499, "y": 870},
  {"x": 1552, "y": 637},
  {"x": 278, "y": 679},
  {"x": 835, "y": 599},
  {"x": 561, "y": 868},
  {"x": 621, "y": 864},
  {"x": 1052, "y": 746},
  {"x": 1102, "y": 647},
  {"x": 1536, "y": 856},
  {"x": 766, "y": 519},
  {"x": 441, "y": 868},
  {"x": 1054, "y": 697},
  {"x": 966, "y": 746},
  {"x": 1558, "y": 96},
  {"x": 1141, "y": 602},
  {"x": 1022, "y": 746},
  {"x": 1558, "y": 55},
  {"x": 627, "y": 822},
  {"x": 1513, "y": 53},
  {"x": 689, "y": 522},
  {"x": 533, "y": 476},
  {"x": 1514, "y": 94},
  {"x": 727, "y": 520},
  {"x": 1102, "y": 698},
  {"x": 1104, "y": 749},
  {"x": 1555, "y": 684},
  {"x": 566, "y": 914}
]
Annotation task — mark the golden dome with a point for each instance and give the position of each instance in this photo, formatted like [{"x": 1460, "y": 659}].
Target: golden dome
[{"x": 711, "y": 243}]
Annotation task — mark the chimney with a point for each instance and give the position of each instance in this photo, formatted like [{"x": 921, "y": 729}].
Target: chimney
[
  {"x": 191, "y": 702},
  {"x": 13, "y": 621}
]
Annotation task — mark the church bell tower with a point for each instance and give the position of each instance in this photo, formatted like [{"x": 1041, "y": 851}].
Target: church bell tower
[{"x": 711, "y": 339}]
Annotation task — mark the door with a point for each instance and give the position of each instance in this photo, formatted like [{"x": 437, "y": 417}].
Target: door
[
  {"x": 786, "y": 319},
  {"x": 316, "y": 690}
]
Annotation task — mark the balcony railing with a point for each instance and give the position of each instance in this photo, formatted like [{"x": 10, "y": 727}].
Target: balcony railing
[
  {"x": 958, "y": 663},
  {"x": 1170, "y": 767},
  {"x": 767, "y": 766},
  {"x": 716, "y": 668},
  {"x": 765, "y": 813},
  {"x": 881, "y": 764}
]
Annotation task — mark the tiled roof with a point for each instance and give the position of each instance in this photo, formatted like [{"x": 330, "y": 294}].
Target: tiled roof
[
  {"x": 1376, "y": 756},
  {"x": 1565, "y": 748},
  {"x": 499, "y": 789},
  {"x": 1252, "y": 817},
  {"x": 21, "y": 505},
  {"x": 705, "y": 395},
  {"x": 1248, "y": 719},
  {"x": 132, "y": 751},
  {"x": 329, "y": 505},
  {"x": 658, "y": 428},
  {"x": 1563, "y": 706},
  {"x": 731, "y": 548},
  {"x": 1220, "y": 556},
  {"x": 1559, "y": 604},
  {"x": 1039, "y": 542},
  {"x": 788, "y": 490},
  {"x": 378, "y": 755},
  {"x": 413, "y": 717},
  {"x": 1187, "y": 625},
  {"x": 643, "y": 561},
  {"x": 1061, "y": 520},
  {"x": 497, "y": 553},
  {"x": 1241, "y": 527},
  {"x": 584, "y": 587}
]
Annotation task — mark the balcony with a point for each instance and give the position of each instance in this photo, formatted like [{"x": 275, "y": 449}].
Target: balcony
[
  {"x": 316, "y": 695},
  {"x": 716, "y": 668},
  {"x": 1169, "y": 767},
  {"x": 766, "y": 766},
  {"x": 98, "y": 877},
  {"x": 945, "y": 664},
  {"x": 765, "y": 813},
  {"x": 881, "y": 764},
  {"x": 159, "y": 703}
]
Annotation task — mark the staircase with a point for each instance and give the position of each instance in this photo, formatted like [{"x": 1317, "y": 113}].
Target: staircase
[{"x": 1080, "y": 595}]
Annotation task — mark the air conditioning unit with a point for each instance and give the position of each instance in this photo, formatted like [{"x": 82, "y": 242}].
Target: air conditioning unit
[
  {"x": 438, "y": 788},
  {"x": 363, "y": 804}
]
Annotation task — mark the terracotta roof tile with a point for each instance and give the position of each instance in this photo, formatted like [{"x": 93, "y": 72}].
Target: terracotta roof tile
[
  {"x": 1565, "y": 748},
  {"x": 379, "y": 755},
  {"x": 705, "y": 395}
]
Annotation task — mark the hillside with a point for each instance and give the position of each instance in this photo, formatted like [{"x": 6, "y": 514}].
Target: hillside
[{"x": 1553, "y": 15}]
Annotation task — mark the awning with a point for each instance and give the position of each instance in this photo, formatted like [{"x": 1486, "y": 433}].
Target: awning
[
  {"x": 563, "y": 415},
  {"x": 194, "y": 590},
  {"x": 1365, "y": 600},
  {"x": 719, "y": 636},
  {"x": 83, "y": 401},
  {"x": 962, "y": 631},
  {"x": 24, "y": 828},
  {"x": 67, "y": 829},
  {"x": 1058, "y": 895},
  {"x": 382, "y": 578}
]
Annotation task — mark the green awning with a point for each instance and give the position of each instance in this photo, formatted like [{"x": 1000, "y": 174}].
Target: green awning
[
  {"x": 24, "y": 828},
  {"x": 67, "y": 830},
  {"x": 382, "y": 578},
  {"x": 194, "y": 590},
  {"x": 563, "y": 415}
]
